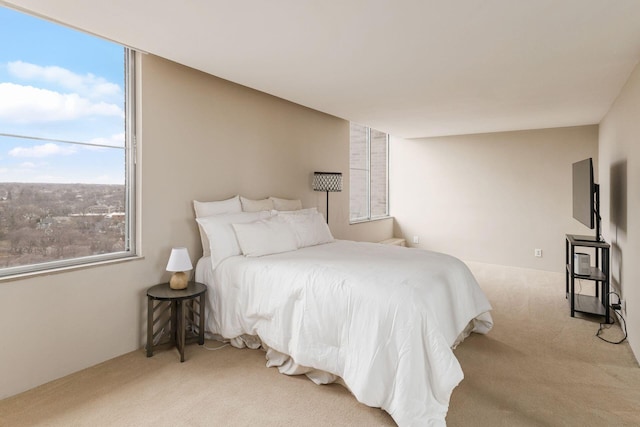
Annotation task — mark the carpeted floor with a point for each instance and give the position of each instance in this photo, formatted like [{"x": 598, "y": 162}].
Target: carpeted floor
[{"x": 537, "y": 367}]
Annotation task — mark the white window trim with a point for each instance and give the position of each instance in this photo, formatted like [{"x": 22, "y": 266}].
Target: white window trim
[{"x": 131, "y": 150}]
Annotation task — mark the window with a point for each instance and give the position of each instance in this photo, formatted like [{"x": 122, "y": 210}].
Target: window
[
  {"x": 66, "y": 146},
  {"x": 369, "y": 182}
]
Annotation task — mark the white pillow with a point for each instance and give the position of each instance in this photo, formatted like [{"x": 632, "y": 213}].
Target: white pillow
[
  {"x": 309, "y": 227},
  {"x": 204, "y": 209},
  {"x": 286, "y": 204},
  {"x": 222, "y": 238},
  {"x": 249, "y": 205},
  {"x": 306, "y": 211},
  {"x": 265, "y": 237},
  {"x": 231, "y": 205}
]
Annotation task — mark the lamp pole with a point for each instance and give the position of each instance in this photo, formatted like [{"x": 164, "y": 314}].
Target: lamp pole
[{"x": 327, "y": 207}]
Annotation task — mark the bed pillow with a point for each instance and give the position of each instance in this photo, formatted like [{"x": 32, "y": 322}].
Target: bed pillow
[
  {"x": 309, "y": 227},
  {"x": 231, "y": 205},
  {"x": 204, "y": 209},
  {"x": 222, "y": 238},
  {"x": 249, "y": 205},
  {"x": 306, "y": 211},
  {"x": 286, "y": 204},
  {"x": 265, "y": 237}
]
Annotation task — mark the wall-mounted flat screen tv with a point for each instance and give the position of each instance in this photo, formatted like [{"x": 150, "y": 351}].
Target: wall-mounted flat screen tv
[
  {"x": 583, "y": 192},
  {"x": 586, "y": 198}
]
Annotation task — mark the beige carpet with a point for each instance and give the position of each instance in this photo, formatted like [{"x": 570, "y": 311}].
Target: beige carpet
[{"x": 537, "y": 367}]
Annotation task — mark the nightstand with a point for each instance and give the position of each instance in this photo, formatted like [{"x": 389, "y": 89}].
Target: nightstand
[{"x": 166, "y": 306}]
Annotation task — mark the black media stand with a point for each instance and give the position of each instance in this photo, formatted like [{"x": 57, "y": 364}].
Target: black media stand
[{"x": 598, "y": 304}]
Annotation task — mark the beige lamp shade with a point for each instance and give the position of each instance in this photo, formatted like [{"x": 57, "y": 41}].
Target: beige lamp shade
[{"x": 179, "y": 262}]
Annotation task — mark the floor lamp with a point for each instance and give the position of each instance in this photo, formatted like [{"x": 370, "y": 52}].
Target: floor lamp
[{"x": 327, "y": 181}]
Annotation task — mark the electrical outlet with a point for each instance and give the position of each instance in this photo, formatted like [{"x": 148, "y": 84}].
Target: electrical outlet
[
  {"x": 537, "y": 253},
  {"x": 416, "y": 240}
]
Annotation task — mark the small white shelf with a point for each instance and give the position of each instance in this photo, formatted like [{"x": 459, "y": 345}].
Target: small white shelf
[{"x": 395, "y": 241}]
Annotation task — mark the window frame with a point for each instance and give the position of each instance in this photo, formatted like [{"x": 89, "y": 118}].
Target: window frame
[
  {"x": 130, "y": 158},
  {"x": 369, "y": 217}
]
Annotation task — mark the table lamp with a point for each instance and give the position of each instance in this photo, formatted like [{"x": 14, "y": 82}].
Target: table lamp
[{"x": 179, "y": 262}]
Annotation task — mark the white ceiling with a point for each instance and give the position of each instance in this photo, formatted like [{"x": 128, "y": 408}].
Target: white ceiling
[{"x": 412, "y": 68}]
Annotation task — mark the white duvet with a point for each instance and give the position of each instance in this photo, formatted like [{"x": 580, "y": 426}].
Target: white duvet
[{"x": 383, "y": 318}]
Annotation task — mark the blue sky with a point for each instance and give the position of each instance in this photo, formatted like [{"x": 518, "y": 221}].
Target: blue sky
[{"x": 61, "y": 84}]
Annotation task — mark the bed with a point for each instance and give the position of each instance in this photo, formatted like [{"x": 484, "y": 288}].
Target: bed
[{"x": 381, "y": 319}]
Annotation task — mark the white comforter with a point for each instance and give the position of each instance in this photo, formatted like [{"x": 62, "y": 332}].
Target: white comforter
[{"x": 383, "y": 318}]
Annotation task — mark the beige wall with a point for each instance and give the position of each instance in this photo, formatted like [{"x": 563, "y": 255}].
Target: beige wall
[
  {"x": 201, "y": 138},
  {"x": 620, "y": 198},
  {"x": 491, "y": 197}
]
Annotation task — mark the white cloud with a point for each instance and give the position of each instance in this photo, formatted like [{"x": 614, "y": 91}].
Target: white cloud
[
  {"x": 28, "y": 104},
  {"x": 29, "y": 165},
  {"x": 44, "y": 150},
  {"x": 116, "y": 140},
  {"x": 88, "y": 85}
]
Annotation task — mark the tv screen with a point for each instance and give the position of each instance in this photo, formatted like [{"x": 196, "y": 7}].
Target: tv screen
[{"x": 584, "y": 192}]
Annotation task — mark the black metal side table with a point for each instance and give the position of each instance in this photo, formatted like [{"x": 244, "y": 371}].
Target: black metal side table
[
  {"x": 598, "y": 304},
  {"x": 175, "y": 307}
]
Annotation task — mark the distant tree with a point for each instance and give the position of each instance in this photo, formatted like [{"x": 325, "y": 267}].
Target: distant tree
[{"x": 23, "y": 241}]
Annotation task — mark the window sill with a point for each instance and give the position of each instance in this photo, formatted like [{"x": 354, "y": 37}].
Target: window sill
[
  {"x": 66, "y": 269},
  {"x": 361, "y": 221}
]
